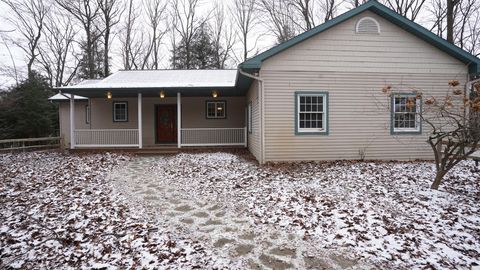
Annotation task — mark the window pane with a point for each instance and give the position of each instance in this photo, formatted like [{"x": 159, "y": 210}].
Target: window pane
[
  {"x": 320, "y": 107},
  {"x": 405, "y": 112},
  {"x": 120, "y": 112},
  {"x": 310, "y": 112},
  {"x": 220, "y": 109}
]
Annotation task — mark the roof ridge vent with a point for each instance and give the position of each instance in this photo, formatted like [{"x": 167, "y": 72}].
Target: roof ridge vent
[{"x": 367, "y": 25}]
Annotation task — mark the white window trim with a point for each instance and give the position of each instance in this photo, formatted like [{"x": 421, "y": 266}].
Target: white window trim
[
  {"x": 418, "y": 105},
  {"x": 87, "y": 114},
  {"x": 215, "y": 104},
  {"x": 114, "y": 111},
  {"x": 324, "y": 113}
]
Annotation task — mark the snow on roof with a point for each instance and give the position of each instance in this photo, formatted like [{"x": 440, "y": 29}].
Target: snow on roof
[
  {"x": 89, "y": 81},
  {"x": 165, "y": 79},
  {"x": 60, "y": 97}
]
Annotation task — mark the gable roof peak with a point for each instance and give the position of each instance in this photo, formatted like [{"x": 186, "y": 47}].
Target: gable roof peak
[{"x": 374, "y": 6}]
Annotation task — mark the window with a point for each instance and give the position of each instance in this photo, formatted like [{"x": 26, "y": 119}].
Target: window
[
  {"x": 249, "y": 117},
  {"x": 216, "y": 110},
  {"x": 406, "y": 110},
  {"x": 311, "y": 113},
  {"x": 87, "y": 114},
  {"x": 120, "y": 112}
]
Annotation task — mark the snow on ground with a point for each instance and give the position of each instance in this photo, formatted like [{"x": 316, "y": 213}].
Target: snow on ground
[
  {"x": 58, "y": 212},
  {"x": 382, "y": 211}
]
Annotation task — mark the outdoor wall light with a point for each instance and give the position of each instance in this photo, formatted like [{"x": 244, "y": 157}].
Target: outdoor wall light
[
  {"x": 214, "y": 94},
  {"x": 109, "y": 95},
  {"x": 162, "y": 94}
]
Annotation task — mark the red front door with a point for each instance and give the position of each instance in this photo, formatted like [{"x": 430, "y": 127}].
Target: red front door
[{"x": 166, "y": 123}]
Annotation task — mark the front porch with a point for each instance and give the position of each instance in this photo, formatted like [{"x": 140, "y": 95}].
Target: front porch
[
  {"x": 156, "y": 108},
  {"x": 152, "y": 122}
]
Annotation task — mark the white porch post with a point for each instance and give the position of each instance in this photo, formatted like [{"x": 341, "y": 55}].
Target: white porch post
[
  {"x": 140, "y": 133},
  {"x": 179, "y": 120},
  {"x": 72, "y": 121},
  {"x": 245, "y": 136}
]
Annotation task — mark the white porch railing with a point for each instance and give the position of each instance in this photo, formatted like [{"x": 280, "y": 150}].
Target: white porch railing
[
  {"x": 214, "y": 136},
  {"x": 106, "y": 138}
]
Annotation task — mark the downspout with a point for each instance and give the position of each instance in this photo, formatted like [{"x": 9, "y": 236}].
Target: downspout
[
  {"x": 468, "y": 90},
  {"x": 262, "y": 115}
]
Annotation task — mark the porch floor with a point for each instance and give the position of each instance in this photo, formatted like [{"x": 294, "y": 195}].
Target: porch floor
[{"x": 163, "y": 149}]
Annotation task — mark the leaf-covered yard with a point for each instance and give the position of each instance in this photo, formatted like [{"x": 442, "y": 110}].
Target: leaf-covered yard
[
  {"x": 61, "y": 210},
  {"x": 57, "y": 211},
  {"x": 382, "y": 211}
]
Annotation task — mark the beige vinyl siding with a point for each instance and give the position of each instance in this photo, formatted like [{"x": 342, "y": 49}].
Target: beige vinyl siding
[
  {"x": 254, "y": 143},
  {"x": 352, "y": 68},
  {"x": 64, "y": 119},
  {"x": 193, "y": 115}
]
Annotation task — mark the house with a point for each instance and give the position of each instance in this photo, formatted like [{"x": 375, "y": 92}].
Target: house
[{"x": 315, "y": 97}]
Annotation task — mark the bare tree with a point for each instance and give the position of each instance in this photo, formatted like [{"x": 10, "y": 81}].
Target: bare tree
[
  {"x": 173, "y": 40},
  {"x": 458, "y": 22},
  {"x": 110, "y": 14},
  {"x": 58, "y": 45},
  {"x": 6, "y": 70},
  {"x": 86, "y": 12},
  {"x": 223, "y": 36},
  {"x": 244, "y": 16},
  {"x": 450, "y": 13},
  {"x": 28, "y": 18},
  {"x": 356, "y": 3},
  {"x": 329, "y": 8},
  {"x": 438, "y": 13},
  {"x": 451, "y": 135},
  {"x": 467, "y": 14},
  {"x": 305, "y": 9},
  {"x": 156, "y": 10},
  {"x": 409, "y": 9},
  {"x": 278, "y": 19},
  {"x": 187, "y": 24},
  {"x": 473, "y": 40},
  {"x": 127, "y": 38}
]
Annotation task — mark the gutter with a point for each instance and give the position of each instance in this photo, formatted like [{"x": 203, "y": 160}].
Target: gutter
[{"x": 262, "y": 115}]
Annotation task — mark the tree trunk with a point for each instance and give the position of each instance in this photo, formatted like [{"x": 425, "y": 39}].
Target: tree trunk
[
  {"x": 450, "y": 6},
  {"x": 245, "y": 52},
  {"x": 438, "y": 179},
  {"x": 106, "y": 64},
  {"x": 89, "y": 52}
]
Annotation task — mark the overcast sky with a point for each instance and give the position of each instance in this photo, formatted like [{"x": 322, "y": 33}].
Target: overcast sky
[{"x": 265, "y": 40}]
